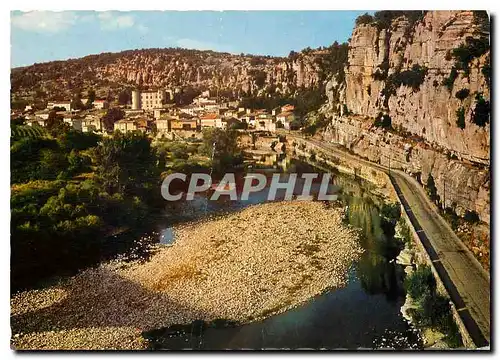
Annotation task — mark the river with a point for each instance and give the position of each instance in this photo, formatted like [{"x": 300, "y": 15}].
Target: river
[{"x": 363, "y": 314}]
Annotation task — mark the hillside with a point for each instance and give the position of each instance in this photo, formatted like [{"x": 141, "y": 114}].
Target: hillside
[{"x": 175, "y": 68}]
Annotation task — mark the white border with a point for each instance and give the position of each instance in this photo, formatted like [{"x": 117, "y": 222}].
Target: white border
[{"x": 183, "y": 5}]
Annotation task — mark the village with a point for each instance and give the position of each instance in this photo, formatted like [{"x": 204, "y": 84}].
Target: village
[{"x": 153, "y": 113}]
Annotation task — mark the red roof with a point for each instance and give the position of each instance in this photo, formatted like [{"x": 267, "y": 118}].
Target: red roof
[{"x": 209, "y": 117}]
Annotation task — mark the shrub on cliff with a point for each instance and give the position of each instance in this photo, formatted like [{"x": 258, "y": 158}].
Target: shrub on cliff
[
  {"x": 411, "y": 78},
  {"x": 391, "y": 212},
  {"x": 383, "y": 121},
  {"x": 461, "y": 118},
  {"x": 486, "y": 71},
  {"x": 431, "y": 189},
  {"x": 364, "y": 19},
  {"x": 450, "y": 80},
  {"x": 462, "y": 94},
  {"x": 472, "y": 48},
  {"x": 481, "y": 113}
]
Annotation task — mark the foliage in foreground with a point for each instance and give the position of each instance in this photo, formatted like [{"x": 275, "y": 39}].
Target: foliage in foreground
[
  {"x": 61, "y": 222},
  {"x": 434, "y": 309}
]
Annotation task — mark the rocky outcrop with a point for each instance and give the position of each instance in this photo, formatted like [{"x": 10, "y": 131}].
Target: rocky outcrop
[
  {"x": 429, "y": 110},
  {"x": 171, "y": 68},
  {"x": 383, "y": 77},
  {"x": 461, "y": 184}
]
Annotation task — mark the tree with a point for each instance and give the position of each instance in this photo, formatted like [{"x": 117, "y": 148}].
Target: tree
[
  {"x": 78, "y": 140},
  {"x": 126, "y": 164},
  {"x": 76, "y": 102},
  {"x": 383, "y": 121},
  {"x": 481, "y": 114},
  {"x": 91, "y": 98},
  {"x": 112, "y": 116},
  {"x": 52, "y": 162},
  {"x": 462, "y": 94},
  {"x": 55, "y": 124},
  {"x": 227, "y": 152},
  {"x": 293, "y": 56},
  {"x": 18, "y": 121},
  {"x": 431, "y": 189},
  {"x": 18, "y": 104},
  {"x": 364, "y": 19},
  {"x": 461, "y": 118},
  {"x": 124, "y": 97}
]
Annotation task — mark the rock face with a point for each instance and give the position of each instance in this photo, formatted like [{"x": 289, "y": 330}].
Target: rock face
[
  {"x": 172, "y": 68},
  {"x": 425, "y": 138}
]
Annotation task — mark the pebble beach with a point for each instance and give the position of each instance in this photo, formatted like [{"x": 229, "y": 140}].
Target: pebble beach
[{"x": 244, "y": 267}]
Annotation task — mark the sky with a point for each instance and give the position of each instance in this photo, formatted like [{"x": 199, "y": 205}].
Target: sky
[{"x": 41, "y": 36}]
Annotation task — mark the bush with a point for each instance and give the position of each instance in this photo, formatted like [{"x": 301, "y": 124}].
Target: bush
[
  {"x": 391, "y": 211},
  {"x": 481, "y": 114},
  {"x": 431, "y": 189},
  {"x": 450, "y": 80},
  {"x": 486, "y": 71},
  {"x": 383, "y": 120},
  {"x": 420, "y": 283},
  {"x": 461, "y": 118},
  {"x": 462, "y": 94},
  {"x": 404, "y": 232},
  {"x": 471, "y": 217},
  {"x": 345, "y": 110},
  {"x": 364, "y": 19},
  {"x": 412, "y": 78},
  {"x": 465, "y": 53}
]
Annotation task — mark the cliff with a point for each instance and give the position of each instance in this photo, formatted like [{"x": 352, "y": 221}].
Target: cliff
[
  {"x": 170, "y": 68},
  {"x": 416, "y": 90}
]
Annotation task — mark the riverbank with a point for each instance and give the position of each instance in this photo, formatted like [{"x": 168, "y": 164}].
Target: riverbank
[{"x": 243, "y": 267}]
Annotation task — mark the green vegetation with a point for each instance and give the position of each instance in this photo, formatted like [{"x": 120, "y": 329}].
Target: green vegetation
[
  {"x": 410, "y": 78},
  {"x": 481, "y": 18},
  {"x": 462, "y": 94},
  {"x": 486, "y": 71},
  {"x": 125, "y": 97},
  {"x": 227, "y": 153},
  {"x": 315, "y": 123},
  {"x": 471, "y": 49},
  {"x": 391, "y": 212},
  {"x": 383, "y": 121},
  {"x": 26, "y": 131},
  {"x": 383, "y": 19},
  {"x": 481, "y": 113},
  {"x": 432, "y": 190},
  {"x": 333, "y": 62},
  {"x": 112, "y": 115},
  {"x": 420, "y": 282},
  {"x": 433, "y": 309},
  {"x": 461, "y": 117},
  {"x": 381, "y": 72},
  {"x": 69, "y": 192},
  {"x": 364, "y": 19},
  {"x": 450, "y": 80},
  {"x": 304, "y": 100},
  {"x": 405, "y": 232}
]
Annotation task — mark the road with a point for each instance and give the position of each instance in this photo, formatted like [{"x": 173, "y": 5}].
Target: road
[{"x": 463, "y": 276}]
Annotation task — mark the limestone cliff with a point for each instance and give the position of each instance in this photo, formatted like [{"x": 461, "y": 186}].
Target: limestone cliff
[
  {"x": 412, "y": 72},
  {"x": 170, "y": 68}
]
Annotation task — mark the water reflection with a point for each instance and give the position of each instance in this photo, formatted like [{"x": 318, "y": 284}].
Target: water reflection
[{"x": 361, "y": 314}]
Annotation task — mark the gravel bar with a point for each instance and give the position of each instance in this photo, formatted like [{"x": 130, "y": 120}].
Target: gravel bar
[{"x": 244, "y": 266}]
